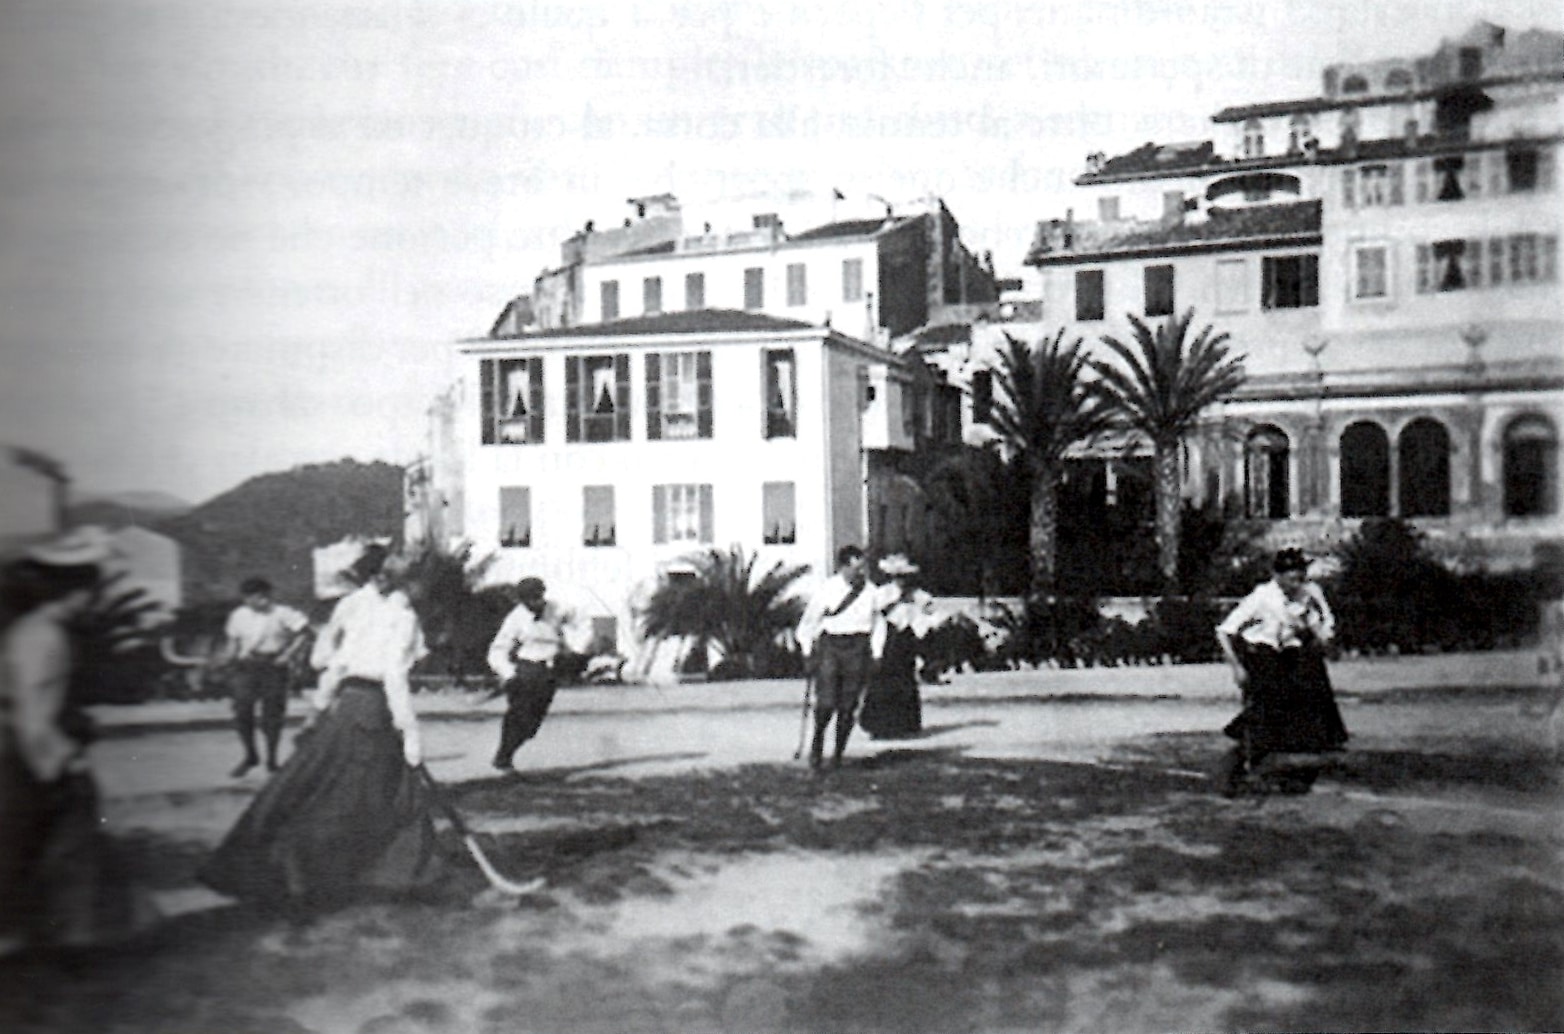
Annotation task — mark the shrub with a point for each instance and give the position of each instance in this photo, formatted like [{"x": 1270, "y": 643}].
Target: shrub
[{"x": 1050, "y": 628}]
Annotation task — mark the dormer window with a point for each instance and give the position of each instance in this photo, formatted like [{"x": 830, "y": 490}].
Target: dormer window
[
  {"x": 1254, "y": 139},
  {"x": 1298, "y": 133},
  {"x": 1354, "y": 84},
  {"x": 1398, "y": 81}
]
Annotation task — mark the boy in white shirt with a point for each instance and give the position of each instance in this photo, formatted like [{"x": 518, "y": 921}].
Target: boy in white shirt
[
  {"x": 530, "y": 640},
  {"x": 259, "y": 641}
]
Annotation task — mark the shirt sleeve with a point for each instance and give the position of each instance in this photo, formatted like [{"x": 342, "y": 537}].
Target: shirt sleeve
[
  {"x": 40, "y": 675},
  {"x": 326, "y": 643},
  {"x": 294, "y": 621},
  {"x": 1240, "y": 616},
  {"x": 809, "y": 625},
  {"x": 1319, "y": 617},
  {"x": 504, "y": 645},
  {"x": 408, "y": 641}
]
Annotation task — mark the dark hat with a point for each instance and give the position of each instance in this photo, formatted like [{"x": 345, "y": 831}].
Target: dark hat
[
  {"x": 531, "y": 588},
  {"x": 1289, "y": 560},
  {"x": 369, "y": 562}
]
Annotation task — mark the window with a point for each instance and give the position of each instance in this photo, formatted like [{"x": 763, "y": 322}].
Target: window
[
  {"x": 852, "y": 280},
  {"x": 781, "y": 393},
  {"x": 1424, "y": 474},
  {"x": 1254, "y": 139},
  {"x": 608, "y": 292},
  {"x": 1376, "y": 186},
  {"x": 1526, "y": 169},
  {"x": 681, "y": 513},
  {"x": 511, "y": 399},
  {"x": 1471, "y": 63},
  {"x": 1232, "y": 285},
  {"x": 1370, "y": 272},
  {"x": 1266, "y": 456},
  {"x": 982, "y": 396},
  {"x": 1441, "y": 266},
  {"x": 695, "y": 290},
  {"x": 1159, "y": 290},
  {"x": 779, "y": 521},
  {"x": 1089, "y": 301},
  {"x": 678, "y": 395},
  {"x": 515, "y": 516},
  {"x": 1289, "y": 282},
  {"x": 1398, "y": 79},
  {"x": 1457, "y": 265},
  {"x": 754, "y": 288},
  {"x": 796, "y": 294},
  {"x": 1298, "y": 132},
  {"x": 597, "y": 398},
  {"x": 652, "y": 295},
  {"x": 1365, "y": 471},
  {"x": 1447, "y": 178},
  {"x": 597, "y": 515},
  {"x": 1531, "y": 464},
  {"x": 1354, "y": 84}
]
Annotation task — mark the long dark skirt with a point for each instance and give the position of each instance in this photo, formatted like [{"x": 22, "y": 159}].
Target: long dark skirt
[
  {"x": 892, "y": 709},
  {"x": 1289, "y": 707},
  {"x": 62, "y": 883},
  {"x": 345, "y": 813}
]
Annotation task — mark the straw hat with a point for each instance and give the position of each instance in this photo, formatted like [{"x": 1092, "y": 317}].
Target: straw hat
[
  {"x": 79, "y": 547},
  {"x": 897, "y": 564}
]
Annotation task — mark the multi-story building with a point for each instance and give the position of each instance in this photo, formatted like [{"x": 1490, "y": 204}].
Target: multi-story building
[
  {"x": 597, "y": 456},
  {"x": 1385, "y": 255}
]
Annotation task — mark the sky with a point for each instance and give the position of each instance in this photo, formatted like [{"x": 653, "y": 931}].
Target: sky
[{"x": 239, "y": 236}]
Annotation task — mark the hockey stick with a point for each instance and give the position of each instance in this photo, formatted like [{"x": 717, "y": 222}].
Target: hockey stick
[
  {"x": 496, "y": 879},
  {"x": 803, "y": 719}
]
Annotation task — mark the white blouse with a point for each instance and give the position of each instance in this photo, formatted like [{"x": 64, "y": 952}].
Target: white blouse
[
  {"x": 1269, "y": 617},
  {"x": 375, "y": 637}
]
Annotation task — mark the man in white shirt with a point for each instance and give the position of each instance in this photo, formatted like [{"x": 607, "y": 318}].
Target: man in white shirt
[
  {"x": 834, "y": 636},
  {"x": 259, "y": 641},
  {"x": 530, "y": 640}
]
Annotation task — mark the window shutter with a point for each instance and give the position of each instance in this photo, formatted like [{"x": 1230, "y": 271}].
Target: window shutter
[
  {"x": 1309, "y": 280},
  {"x": 1472, "y": 262},
  {"x": 654, "y": 394},
  {"x": 486, "y": 400},
  {"x": 1422, "y": 178},
  {"x": 703, "y": 394},
  {"x": 1495, "y": 261},
  {"x": 1547, "y": 256},
  {"x": 1267, "y": 283},
  {"x": 659, "y": 513},
  {"x": 1425, "y": 261},
  {"x": 1397, "y": 183},
  {"x": 1545, "y": 167},
  {"x": 706, "y": 515},
  {"x": 1472, "y": 174},
  {"x": 572, "y": 398},
  {"x": 535, "y": 413},
  {"x": 622, "y": 397},
  {"x": 1349, "y": 183}
]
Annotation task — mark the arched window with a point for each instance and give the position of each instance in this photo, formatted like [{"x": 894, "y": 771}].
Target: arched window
[
  {"x": 1354, "y": 84},
  {"x": 1365, "y": 471},
  {"x": 1298, "y": 131},
  {"x": 1531, "y": 467},
  {"x": 1254, "y": 139},
  {"x": 1266, "y": 474},
  {"x": 1424, "y": 477},
  {"x": 1398, "y": 80}
]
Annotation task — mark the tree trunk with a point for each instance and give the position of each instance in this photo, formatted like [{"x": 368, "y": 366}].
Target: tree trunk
[
  {"x": 1169, "y": 502},
  {"x": 1044, "y": 530}
]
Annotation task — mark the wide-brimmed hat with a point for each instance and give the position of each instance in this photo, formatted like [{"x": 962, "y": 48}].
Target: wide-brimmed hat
[
  {"x": 369, "y": 562},
  {"x": 897, "y": 564},
  {"x": 1289, "y": 560},
  {"x": 79, "y": 547},
  {"x": 531, "y": 588}
]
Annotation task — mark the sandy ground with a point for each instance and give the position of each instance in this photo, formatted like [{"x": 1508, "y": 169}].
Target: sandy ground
[{"x": 1048, "y": 857}]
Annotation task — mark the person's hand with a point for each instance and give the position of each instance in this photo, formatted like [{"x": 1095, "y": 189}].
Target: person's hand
[{"x": 411, "y": 752}]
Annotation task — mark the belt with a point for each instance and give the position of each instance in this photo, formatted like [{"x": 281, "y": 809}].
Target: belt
[{"x": 844, "y": 635}]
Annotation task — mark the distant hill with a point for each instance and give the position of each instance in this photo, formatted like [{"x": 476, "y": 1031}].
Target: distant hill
[
  {"x": 268, "y": 525},
  {"x": 123, "y": 508}
]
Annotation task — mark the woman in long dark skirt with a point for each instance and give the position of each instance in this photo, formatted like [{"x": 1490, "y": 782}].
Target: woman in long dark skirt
[
  {"x": 892, "y": 707},
  {"x": 1275, "y": 641},
  {"x": 348, "y": 810},
  {"x": 62, "y": 884}
]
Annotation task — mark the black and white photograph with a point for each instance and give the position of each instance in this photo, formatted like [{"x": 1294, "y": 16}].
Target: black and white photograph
[{"x": 543, "y": 517}]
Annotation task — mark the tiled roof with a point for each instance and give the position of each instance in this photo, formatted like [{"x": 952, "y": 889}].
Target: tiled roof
[
  {"x": 1257, "y": 222},
  {"x": 846, "y": 228},
  {"x": 1151, "y": 157},
  {"x": 697, "y": 321}
]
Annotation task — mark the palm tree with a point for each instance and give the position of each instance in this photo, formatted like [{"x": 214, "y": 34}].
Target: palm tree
[
  {"x": 1044, "y": 405},
  {"x": 982, "y": 507},
  {"x": 726, "y": 602},
  {"x": 1160, "y": 386}
]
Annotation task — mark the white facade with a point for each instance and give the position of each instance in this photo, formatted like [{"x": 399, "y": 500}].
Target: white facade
[{"x": 601, "y": 520}]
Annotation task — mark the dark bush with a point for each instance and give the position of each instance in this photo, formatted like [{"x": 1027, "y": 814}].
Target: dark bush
[
  {"x": 1185, "y": 628},
  {"x": 950, "y": 645},
  {"x": 1054, "y": 628}
]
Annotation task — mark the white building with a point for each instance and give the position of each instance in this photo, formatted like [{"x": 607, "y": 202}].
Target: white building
[
  {"x": 1386, "y": 257},
  {"x": 597, "y": 456}
]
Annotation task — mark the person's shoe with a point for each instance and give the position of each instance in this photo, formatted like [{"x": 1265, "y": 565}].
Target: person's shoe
[
  {"x": 815, "y": 762},
  {"x": 272, "y": 766},
  {"x": 243, "y": 767},
  {"x": 836, "y": 762},
  {"x": 503, "y": 765}
]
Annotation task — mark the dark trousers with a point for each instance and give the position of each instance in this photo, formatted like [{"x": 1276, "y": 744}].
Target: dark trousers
[
  {"x": 528, "y": 696},
  {"x": 841, "y": 673},
  {"x": 259, "y": 685}
]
